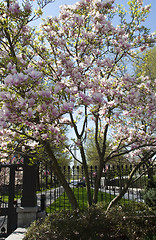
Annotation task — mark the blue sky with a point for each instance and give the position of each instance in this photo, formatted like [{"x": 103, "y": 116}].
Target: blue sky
[{"x": 52, "y": 9}]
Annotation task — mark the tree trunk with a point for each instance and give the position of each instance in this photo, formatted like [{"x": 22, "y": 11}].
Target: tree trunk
[
  {"x": 89, "y": 196},
  {"x": 101, "y": 160},
  {"x": 61, "y": 177},
  {"x": 97, "y": 184},
  {"x": 117, "y": 198}
]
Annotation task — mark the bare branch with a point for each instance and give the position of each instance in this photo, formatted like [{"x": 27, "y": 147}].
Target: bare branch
[
  {"x": 75, "y": 158},
  {"x": 43, "y": 3}
]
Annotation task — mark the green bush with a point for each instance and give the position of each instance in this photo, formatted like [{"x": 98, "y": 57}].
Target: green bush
[
  {"x": 93, "y": 224},
  {"x": 149, "y": 195},
  {"x": 135, "y": 220}
]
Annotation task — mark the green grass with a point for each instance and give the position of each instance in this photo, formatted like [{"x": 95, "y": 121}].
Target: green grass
[
  {"x": 5, "y": 198},
  {"x": 62, "y": 203},
  {"x": 45, "y": 190}
]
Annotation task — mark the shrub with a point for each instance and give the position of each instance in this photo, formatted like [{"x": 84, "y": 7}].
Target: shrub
[
  {"x": 134, "y": 220},
  {"x": 93, "y": 224},
  {"x": 149, "y": 195}
]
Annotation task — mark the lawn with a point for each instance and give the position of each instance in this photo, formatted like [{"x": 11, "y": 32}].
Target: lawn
[
  {"x": 62, "y": 203},
  {"x": 5, "y": 198}
]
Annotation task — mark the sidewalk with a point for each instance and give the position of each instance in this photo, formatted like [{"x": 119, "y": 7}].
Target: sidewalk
[{"x": 18, "y": 234}]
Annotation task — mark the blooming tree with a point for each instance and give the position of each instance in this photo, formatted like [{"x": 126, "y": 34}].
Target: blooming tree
[{"x": 70, "y": 74}]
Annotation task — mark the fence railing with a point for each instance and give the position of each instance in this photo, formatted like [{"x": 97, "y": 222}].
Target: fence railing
[
  {"x": 15, "y": 188},
  {"x": 114, "y": 177},
  {"x": 51, "y": 195},
  {"x": 11, "y": 177}
]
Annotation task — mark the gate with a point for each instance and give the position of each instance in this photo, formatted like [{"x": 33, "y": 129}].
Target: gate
[{"x": 10, "y": 194}]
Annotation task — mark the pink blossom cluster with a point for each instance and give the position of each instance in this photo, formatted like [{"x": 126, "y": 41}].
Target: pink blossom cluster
[{"x": 15, "y": 9}]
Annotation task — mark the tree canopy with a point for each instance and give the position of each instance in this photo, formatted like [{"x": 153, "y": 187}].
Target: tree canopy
[
  {"x": 70, "y": 74},
  {"x": 145, "y": 64}
]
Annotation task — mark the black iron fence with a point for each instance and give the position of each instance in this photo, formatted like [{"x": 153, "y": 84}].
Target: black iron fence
[
  {"x": 114, "y": 177},
  {"x": 50, "y": 193},
  {"x": 10, "y": 193}
]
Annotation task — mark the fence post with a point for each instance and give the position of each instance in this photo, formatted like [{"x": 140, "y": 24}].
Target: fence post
[
  {"x": 28, "y": 210},
  {"x": 150, "y": 177},
  {"x": 12, "y": 215},
  {"x": 43, "y": 202},
  {"x": 29, "y": 198}
]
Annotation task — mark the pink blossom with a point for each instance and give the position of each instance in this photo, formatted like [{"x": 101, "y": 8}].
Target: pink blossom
[
  {"x": 9, "y": 80},
  {"x": 10, "y": 66},
  {"x": 44, "y": 136},
  {"x": 98, "y": 97},
  {"x": 78, "y": 143},
  {"x": 39, "y": 108},
  {"x": 35, "y": 74},
  {"x": 43, "y": 93},
  {"x": 40, "y": 126},
  {"x": 31, "y": 102},
  {"x": 21, "y": 77},
  {"x": 43, "y": 107},
  {"x": 57, "y": 89},
  {"x": 54, "y": 130},
  {"x": 30, "y": 112},
  {"x": 2, "y": 95},
  {"x": 14, "y": 8},
  {"x": 36, "y": 135},
  {"x": 25, "y": 29},
  {"x": 67, "y": 106}
]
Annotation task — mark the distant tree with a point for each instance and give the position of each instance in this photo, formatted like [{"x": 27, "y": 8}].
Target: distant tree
[
  {"x": 146, "y": 64},
  {"x": 92, "y": 153}
]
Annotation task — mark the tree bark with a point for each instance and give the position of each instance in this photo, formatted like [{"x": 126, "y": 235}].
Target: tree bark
[
  {"x": 89, "y": 196},
  {"x": 97, "y": 184},
  {"x": 101, "y": 162},
  {"x": 79, "y": 136},
  {"x": 61, "y": 177}
]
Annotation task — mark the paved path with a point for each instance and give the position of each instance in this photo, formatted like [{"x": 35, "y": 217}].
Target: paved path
[
  {"x": 3, "y": 223},
  {"x": 51, "y": 195},
  {"x": 18, "y": 234},
  {"x": 131, "y": 194}
]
